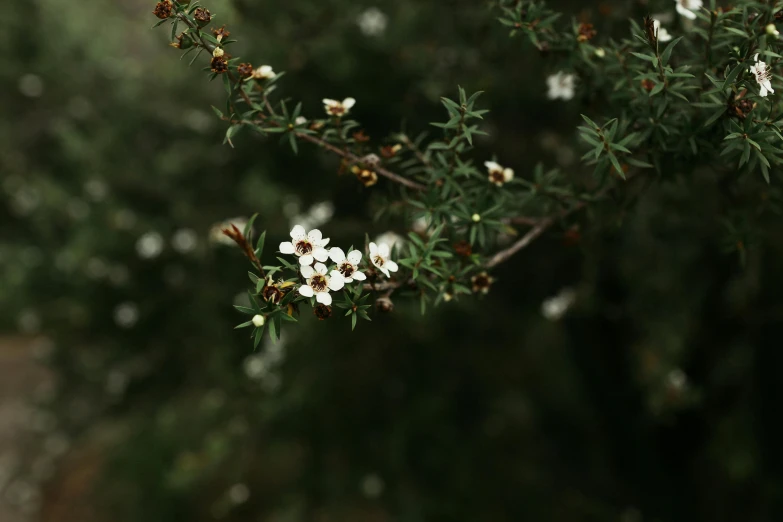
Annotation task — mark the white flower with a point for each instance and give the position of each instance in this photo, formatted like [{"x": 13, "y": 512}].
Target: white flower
[
  {"x": 497, "y": 174},
  {"x": 476, "y": 218},
  {"x": 686, "y": 8},
  {"x": 150, "y": 245},
  {"x": 555, "y": 307},
  {"x": 348, "y": 266},
  {"x": 306, "y": 246},
  {"x": 663, "y": 34},
  {"x": 390, "y": 238},
  {"x": 319, "y": 283},
  {"x": 372, "y": 22},
  {"x": 561, "y": 85},
  {"x": 763, "y": 76},
  {"x": 264, "y": 72},
  {"x": 300, "y": 120},
  {"x": 772, "y": 30},
  {"x": 258, "y": 321},
  {"x": 379, "y": 256},
  {"x": 338, "y": 108}
]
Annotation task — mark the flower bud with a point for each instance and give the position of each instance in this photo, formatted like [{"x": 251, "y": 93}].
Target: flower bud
[
  {"x": 245, "y": 70},
  {"x": 322, "y": 312},
  {"x": 218, "y": 52},
  {"x": 258, "y": 321},
  {"x": 600, "y": 52},
  {"x": 771, "y": 30},
  {"x": 476, "y": 218}
]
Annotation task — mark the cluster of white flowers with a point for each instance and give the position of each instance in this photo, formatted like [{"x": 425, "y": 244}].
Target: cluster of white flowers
[{"x": 309, "y": 247}]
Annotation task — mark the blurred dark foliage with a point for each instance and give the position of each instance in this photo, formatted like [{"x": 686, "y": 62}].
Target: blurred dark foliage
[{"x": 654, "y": 398}]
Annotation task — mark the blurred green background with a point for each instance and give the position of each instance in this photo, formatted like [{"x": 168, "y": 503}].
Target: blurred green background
[{"x": 653, "y": 397}]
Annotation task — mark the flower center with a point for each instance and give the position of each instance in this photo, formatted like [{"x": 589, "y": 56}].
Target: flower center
[
  {"x": 318, "y": 283},
  {"x": 336, "y": 110},
  {"x": 303, "y": 247},
  {"x": 346, "y": 269},
  {"x": 497, "y": 176},
  {"x": 481, "y": 281},
  {"x": 378, "y": 260}
]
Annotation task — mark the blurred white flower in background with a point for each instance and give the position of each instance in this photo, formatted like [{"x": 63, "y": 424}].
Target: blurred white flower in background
[
  {"x": 216, "y": 234},
  {"x": 663, "y": 34},
  {"x": 686, "y": 8},
  {"x": 677, "y": 380},
  {"x": 372, "y": 486},
  {"x": 184, "y": 240},
  {"x": 561, "y": 85},
  {"x": 97, "y": 189},
  {"x": 239, "y": 493},
  {"x": 31, "y": 85},
  {"x": 317, "y": 215},
  {"x": 556, "y": 307},
  {"x": 372, "y": 22},
  {"x": 149, "y": 245},
  {"x": 126, "y": 314},
  {"x": 390, "y": 238}
]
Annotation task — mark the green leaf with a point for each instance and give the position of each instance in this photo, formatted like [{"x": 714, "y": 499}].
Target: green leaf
[
  {"x": 249, "y": 226},
  {"x": 260, "y": 244},
  {"x": 666, "y": 54}
]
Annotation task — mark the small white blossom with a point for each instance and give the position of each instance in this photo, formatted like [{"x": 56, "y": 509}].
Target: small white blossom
[
  {"x": 663, "y": 34},
  {"x": 320, "y": 281},
  {"x": 338, "y": 108},
  {"x": 561, "y": 85},
  {"x": 379, "y": 256},
  {"x": 600, "y": 52},
  {"x": 686, "y": 8},
  {"x": 476, "y": 218},
  {"x": 497, "y": 174},
  {"x": 555, "y": 307},
  {"x": 372, "y": 22},
  {"x": 218, "y": 52},
  {"x": 258, "y": 321},
  {"x": 307, "y": 246},
  {"x": 264, "y": 72},
  {"x": 348, "y": 265},
  {"x": 763, "y": 76},
  {"x": 184, "y": 240},
  {"x": 300, "y": 120}
]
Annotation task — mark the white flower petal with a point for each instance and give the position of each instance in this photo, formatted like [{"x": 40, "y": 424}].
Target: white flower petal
[
  {"x": 685, "y": 11},
  {"x": 348, "y": 103},
  {"x": 491, "y": 166},
  {"x": 320, "y": 254},
  {"x": 383, "y": 250},
  {"x": 359, "y": 276},
  {"x": 323, "y": 298},
  {"x": 322, "y": 242},
  {"x": 391, "y": 266},
  {"x": 336, "y": 281},
  {"x": 385, "y": 272},
  {"x": 373, "y": 249},
  {"x": 763, "y": 91},
  {"x": 314, "y": 235},
  {"x": 286, "y": 247},
  {"x": 306, "y": 259},
  {"x": 307, "y": 271},
  {"x": 330, "y": 103},
  {"x": 306, "y": 291},
  {"x": 298, "y": 233},
  {"x": 508, "y": 174},
  {"x": 321, "y": 268},
  {"x": 348, "y": 280},
  {"x": 354, "y": 257},
  {"x": 337, "y": 255}
]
